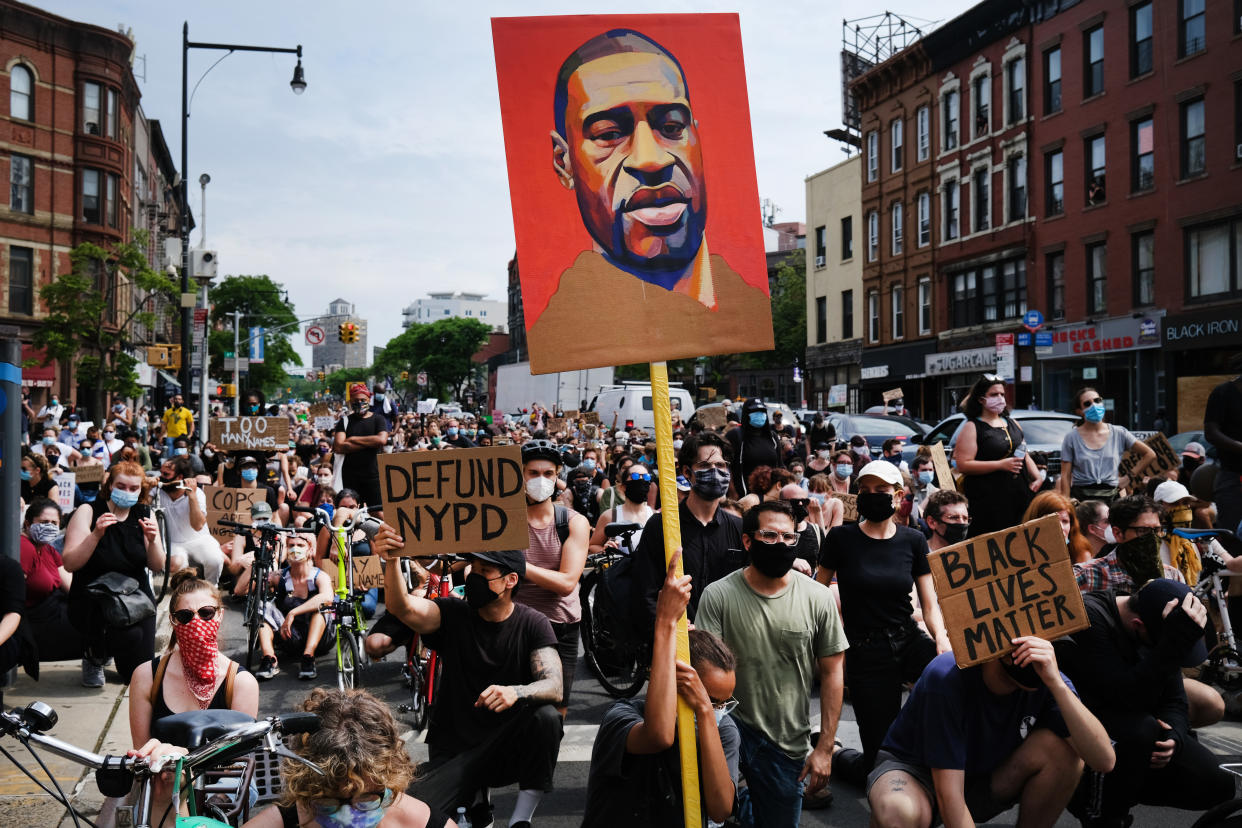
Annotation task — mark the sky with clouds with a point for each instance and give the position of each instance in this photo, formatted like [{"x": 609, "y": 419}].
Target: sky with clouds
[{"x": 386, "y": 179}]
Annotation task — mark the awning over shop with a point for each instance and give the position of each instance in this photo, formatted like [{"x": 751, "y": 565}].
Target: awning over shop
[
  {"x": 39, "y": 376},
  {"x": 895, "y": 362},
  {"x": 169, "y": 379}
]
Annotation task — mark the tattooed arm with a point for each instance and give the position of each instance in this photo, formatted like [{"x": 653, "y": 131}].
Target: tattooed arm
[{"x": 545, "y": 666}]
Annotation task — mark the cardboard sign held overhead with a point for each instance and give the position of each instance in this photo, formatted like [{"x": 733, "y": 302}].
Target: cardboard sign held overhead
[
  {"x": 556, "y": 425},
  {"x": 224, "y": 503},
  {"x": 1166, "y": 458},
  {"x": 319, "y": 410},
  {"x": 713, "y": 417},
  {"x": 250, "y": 433},
  {"x": 571, "y": 415},
  {"x": 469, "y": 500},
  {"x": 944, "y": 473},
  {"x": 850, "y": 502},
  {"x": 893, "y": 394},
  {"x": 89, "y": 474},
  {"x": 590, "y": 417},
  {"x": 997, "y": 587}
]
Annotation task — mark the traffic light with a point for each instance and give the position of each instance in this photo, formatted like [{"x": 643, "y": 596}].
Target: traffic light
[
  {"x": 342, "y": 331},
  {"x": 350, "y": 333},
  {"x": 405, "y": 375}
]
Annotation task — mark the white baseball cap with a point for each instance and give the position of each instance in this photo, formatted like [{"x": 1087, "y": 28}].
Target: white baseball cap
[
  {"x": 1170, "y": 491},
  {"x": 884, "y": 470}
]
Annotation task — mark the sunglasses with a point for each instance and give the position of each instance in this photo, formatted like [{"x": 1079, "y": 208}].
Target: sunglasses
[
  {"x": 185, "y": 616},
  {"x": 993, "y": 378},
  {"x": 1096, "y": 401},
  {"x": 640, "y": 476}
]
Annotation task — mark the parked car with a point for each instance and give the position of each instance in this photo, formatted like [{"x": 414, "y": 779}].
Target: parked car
[
  {"x": 1044, "y": 432},
  {"x": 1178, "y": 442},
  {"x": 874, "y": 428}
]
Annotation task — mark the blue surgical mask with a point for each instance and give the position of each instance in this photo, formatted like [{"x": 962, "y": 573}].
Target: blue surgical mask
[
  {"x": 588, "y": 464},
  {"x": 254, "y": 409},
  {"x": 25, "y": 475},
  {"x": 123, "y": 500},
  {"x": 451, "y": 431},
  {"x": 182, "y": 450},
  {"x": 758, "y": 419},
  {"x": 844, "y": 470},
  {"x": 1094, "y": 413},
  {"x": 250, "y": 474},
  {"x": 926, "y": 477},
  {"x": 49, "y": 441},
  {"x": 379, "y": 398}
]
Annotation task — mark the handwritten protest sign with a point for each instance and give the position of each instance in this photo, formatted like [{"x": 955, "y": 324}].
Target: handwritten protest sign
[
  {"x": 1006, "y": 584},
  {"x": 850, "y": 502},
  {"x": 714, "y": 416},
  {"x": 89, "y": 474},
  {"x": 250, "y": 433},
  {"x": 940, "y": 462},
  {"x": 368, "y": 573},
  {"x": 571, "y": 415},
  {"x": 321, "y": 416},
  {"x": 1166, "y": 457},
  {"x": 556, "y": 425},
  {"x": 65, "y": 483},
  {"x": 224, "y": 503},
  {"x": 590, "y": 417},
  {"x": 892, "y": 394},
  {"x": 469, "y": 500}
]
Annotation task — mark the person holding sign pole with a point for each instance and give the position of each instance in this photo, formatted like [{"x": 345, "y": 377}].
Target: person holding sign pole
[
  {"x": 1091, "y": 451},
  {"x": 878, "y": 564},
  {"x": 991, "y": 452}
]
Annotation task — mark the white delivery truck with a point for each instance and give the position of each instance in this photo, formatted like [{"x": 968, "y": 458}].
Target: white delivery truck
[
  {"x": 630, "y": 402},
  {"x": 517, "y": 387}
]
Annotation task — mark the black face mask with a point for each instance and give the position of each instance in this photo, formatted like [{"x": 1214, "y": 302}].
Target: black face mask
[
  {"x": 772, "y": 559},
  {"x": 636, "y": 491},
  {"x": 799, "y": 510},
  {"x": 571, "y": 460},
  {"x": 954, "y": 532},
  {"x": 1140, "y": 558},
  {"x": 711, "y": 484},
  {"x": 1026, "y": 676},
  {"x": 1189, "y": 465},
  {"x": 478, "y": 592},
  {"x": 876, "y": 507},
  {"x": 358, "y": 406}
]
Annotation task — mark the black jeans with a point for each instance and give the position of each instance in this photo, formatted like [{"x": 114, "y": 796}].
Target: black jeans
[
  {"x": 567, "y": 649},
  {"x": 524, "y": 751},
  {"x": 877, "y": 668},
  {"x": 1227, "y": 493},
  {"x": 1193, "y": 779},
  {"x": 128, "y": 646}
]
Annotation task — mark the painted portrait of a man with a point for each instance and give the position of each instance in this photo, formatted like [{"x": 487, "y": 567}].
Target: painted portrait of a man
[{"x": 627, "y": 155}]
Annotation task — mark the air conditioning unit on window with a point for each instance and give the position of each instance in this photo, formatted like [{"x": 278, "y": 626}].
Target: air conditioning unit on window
[{"x": 819, "y": 260}]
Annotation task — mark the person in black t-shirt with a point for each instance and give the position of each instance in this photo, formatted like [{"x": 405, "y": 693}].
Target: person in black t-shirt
[
  {"x": 754, "y": 444},
  {"x": 359, "y": 437},
  {"x": 496, "y": 721},
  {"x": 1222, "y": 426},
  {"x": 877, "y": 564}
]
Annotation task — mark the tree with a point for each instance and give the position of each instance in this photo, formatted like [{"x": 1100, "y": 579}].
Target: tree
[
  {"x": 262, "y": 305},
  {"x": 95, "y": 319},
  {"x": 445, "y": 349}
]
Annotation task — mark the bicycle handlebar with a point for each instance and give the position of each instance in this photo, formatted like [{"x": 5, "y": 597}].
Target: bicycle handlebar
[{"x": 241, "y": 528}]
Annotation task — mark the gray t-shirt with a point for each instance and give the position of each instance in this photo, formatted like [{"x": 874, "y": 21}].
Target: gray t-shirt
[{"x": 1095, "y": 467}]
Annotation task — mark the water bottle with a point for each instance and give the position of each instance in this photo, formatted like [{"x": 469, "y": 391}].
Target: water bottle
[
  {"x": 462, "y": 820},
  {"x": 1020, "y": 451}
]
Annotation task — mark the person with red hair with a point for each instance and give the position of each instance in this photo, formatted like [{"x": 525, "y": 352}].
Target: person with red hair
[{"x": 1054, "y": 503}]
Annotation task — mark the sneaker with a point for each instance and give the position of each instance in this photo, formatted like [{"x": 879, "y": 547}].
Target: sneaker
[
  {"x": 815, "y": 801},
  {"x": 481, "y": 815},
  {"x": 308, "y": 670},
  {"x": 92, "y": 672},
  {"x": 267, "y": 669}
]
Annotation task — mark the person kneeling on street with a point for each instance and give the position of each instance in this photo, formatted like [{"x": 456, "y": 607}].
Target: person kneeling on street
[
  {"x": 971, "y": 743},
  {"x": 496, "y": 722}
]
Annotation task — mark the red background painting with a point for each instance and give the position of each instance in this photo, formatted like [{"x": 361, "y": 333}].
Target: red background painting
[{"x": 547, "y": 224}]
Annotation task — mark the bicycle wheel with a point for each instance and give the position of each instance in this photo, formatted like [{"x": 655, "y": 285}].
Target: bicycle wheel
[
  {"x": 614, "y": 663},
  {"x": 161, "y": 521},
  {"x": 255, "y": 602},
  {"x": 348, "y": 659},
  {"x": 418, "y": 707}
]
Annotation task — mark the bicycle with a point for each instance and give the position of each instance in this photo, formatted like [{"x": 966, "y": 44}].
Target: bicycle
[
  {"x": 1224, "y": 666},
  {"x": 422, "y": 669},
  {"x": 346, "y": 610},
  {"x": 260, "y": 591},
  {"x": 619, "y": 663},
  {"x": 215, "y": 738},
  {"x": 161, "y": 521}
]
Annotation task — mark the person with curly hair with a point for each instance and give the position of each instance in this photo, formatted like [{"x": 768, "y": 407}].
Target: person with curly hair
[{"x": 365, "y": 770}]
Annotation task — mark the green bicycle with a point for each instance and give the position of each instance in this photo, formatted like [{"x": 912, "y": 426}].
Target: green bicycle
[{"x": 345, "y": 611}]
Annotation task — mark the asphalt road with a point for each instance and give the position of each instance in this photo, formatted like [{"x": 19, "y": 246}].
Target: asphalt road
[{"x": 562, "y": 808}]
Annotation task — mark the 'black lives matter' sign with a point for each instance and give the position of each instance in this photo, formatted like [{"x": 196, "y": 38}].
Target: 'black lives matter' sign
[
  {"x": 1011, "y": 583},
  {"x": 459, "y": 500}
]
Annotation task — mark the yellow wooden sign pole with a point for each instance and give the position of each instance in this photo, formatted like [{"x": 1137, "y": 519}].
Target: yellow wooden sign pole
[{"x": 670, "y": 518}]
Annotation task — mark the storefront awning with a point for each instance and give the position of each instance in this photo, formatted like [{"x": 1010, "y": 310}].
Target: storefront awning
[
  {"x": 38, "y": 376},
  {"x": 169, "y": 379}
]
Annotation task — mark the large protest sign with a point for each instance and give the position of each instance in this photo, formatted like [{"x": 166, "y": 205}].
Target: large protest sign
[
  {"x": 1166, "y": 458},
  {"x": 997, "y": 587},
  {"x": 713, "y": 416},
  {"x": 556, "y": 425},
  {"x": 469, "y": 500},
  {"x": 368, "y": 572},
  {"x": 250, "y": 433},
  {"x": 321, "y": 416},
  {"x": 65, "y": 484},
  {"x": 940, "y": 462},
  {"x": 590, "y": 417},
  {"x": 89, "y": 474},
  {"x": 591, "y": 227},
  {"x": 224, "y": 503},
  {"x": 850, "y": 502}
]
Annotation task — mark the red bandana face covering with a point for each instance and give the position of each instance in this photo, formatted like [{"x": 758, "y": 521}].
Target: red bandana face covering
[{"x": 197, "y": 643}]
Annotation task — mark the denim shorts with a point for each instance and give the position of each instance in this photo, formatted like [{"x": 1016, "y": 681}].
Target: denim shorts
[{"x": 983, "y": 806}]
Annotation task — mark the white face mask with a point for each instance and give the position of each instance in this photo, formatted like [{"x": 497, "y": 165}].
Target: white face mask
[
  {"x": 540, "y": 489},
  {"x": 1109, "y": 537}
]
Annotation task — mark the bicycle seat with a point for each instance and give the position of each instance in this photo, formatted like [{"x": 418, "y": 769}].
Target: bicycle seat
[
  {"x": 614, "y": 529},
  {"x": 196, "y": 728}
]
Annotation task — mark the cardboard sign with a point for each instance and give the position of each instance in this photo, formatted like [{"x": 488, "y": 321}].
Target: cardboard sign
[
  {"x": 586, "y": 236},
  {"x": 713, "y": 417},
  {"x": 324, "y": 423},
  {"x": 250, "y": 433},
  {"x": 892, "y": 394},
  {"x": 556, "y": 425},
  {"x": 65, "y": 483},
  {"x": 368, "y": 572},
  {"x": 994, "y": 588},
  {"x": 850, "y": 502},
  {"x": 571, "y": 415},
  {"x": 425, "y": 407},
  {"x": 590, "y": 417},
  {"x": 469, "y": 500},
  {"x": 944, "y": 473},
  {"x": 89, "y": 474},
  {"x": 1166, "y": 458},
  {"x": 224, "y": 503}
]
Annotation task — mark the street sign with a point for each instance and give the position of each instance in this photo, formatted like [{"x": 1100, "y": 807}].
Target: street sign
[
  {"x": 310, "y": 376},
  {"x": 1033, "y": 320},
  {"x": 1043, "y": 340},
  {"x": 422, "y": 378},
  {"x": 243, "y": 364},
  {"x": 256, "y": 345},
  {"x": 1024, "y": 339},
  {"x": 1005, "y": 356},
  {"x": 315, "y": 335}
]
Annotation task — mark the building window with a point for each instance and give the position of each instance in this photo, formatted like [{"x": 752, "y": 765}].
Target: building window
[
  {"x": 112, "y": 115},
  {"x": 949, "y": 139},
  {"x": 1140, "y": 40},
  {"x": 821, "y": 318},
  {"x": 90, "y": 197},
  {"x": 1017, "y": 188},
  {"x": 873, "y": 155},
  {"x": 21, "y": 93},
  {"x": 1052, "y": 80},
  {"x": 1056, "y": 286},
  {"x": 951, "y": 197},
  {"x": 965, "y": 299},
  {"x": 1144, "y": 258},
  {"x": 847, "y": 314},
  {"x": 873, "y": 316},
  {"x": 1015, "y": 81},
  {"x": 1194, "y": 141},
  {"x": 847, "y": 238},
  {"x": 1093, "y": 155},
  {"x": 1192, "y": 27},
  {"x": 1093, "y": 62},
  {"x": 21, "y": 184},
  {"x": 925, "y": 306},
  {"x": 21, "y": 280},
  {"x": 922, "y": 128},
  {"x": 91, "y": 112},
  {"x": 897, "y": 218},
  {"x": 1143, "y": 172},
  {"x": 924, "y": 216},
  {"x": 989, "y": 293},
  {"x": 1097, "y": 278},
  {"x": 1212, "y": 259},
  {"x": 897, "y": 295},
  {"x": 873, "y": 236},
  {"x": 1054, "y": 183},
  {"x": 1013, "y": 288},
  {"x": 982, "y": 200},
  {"x": 896, "y": 133},
  {"x": 983, "y": 102},
  {"x": 821, "y": 245},
  {"x": 110, "y": 202}
]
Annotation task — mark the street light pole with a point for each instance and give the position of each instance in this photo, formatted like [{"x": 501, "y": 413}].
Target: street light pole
[
  {"x": 236, "y": 356},
  {"x": 204, "y": 361}
]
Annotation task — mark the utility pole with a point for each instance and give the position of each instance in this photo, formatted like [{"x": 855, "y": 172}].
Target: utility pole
[
  {"x": 10, "y": 441},
  {"x": 236, "y": 356}
]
